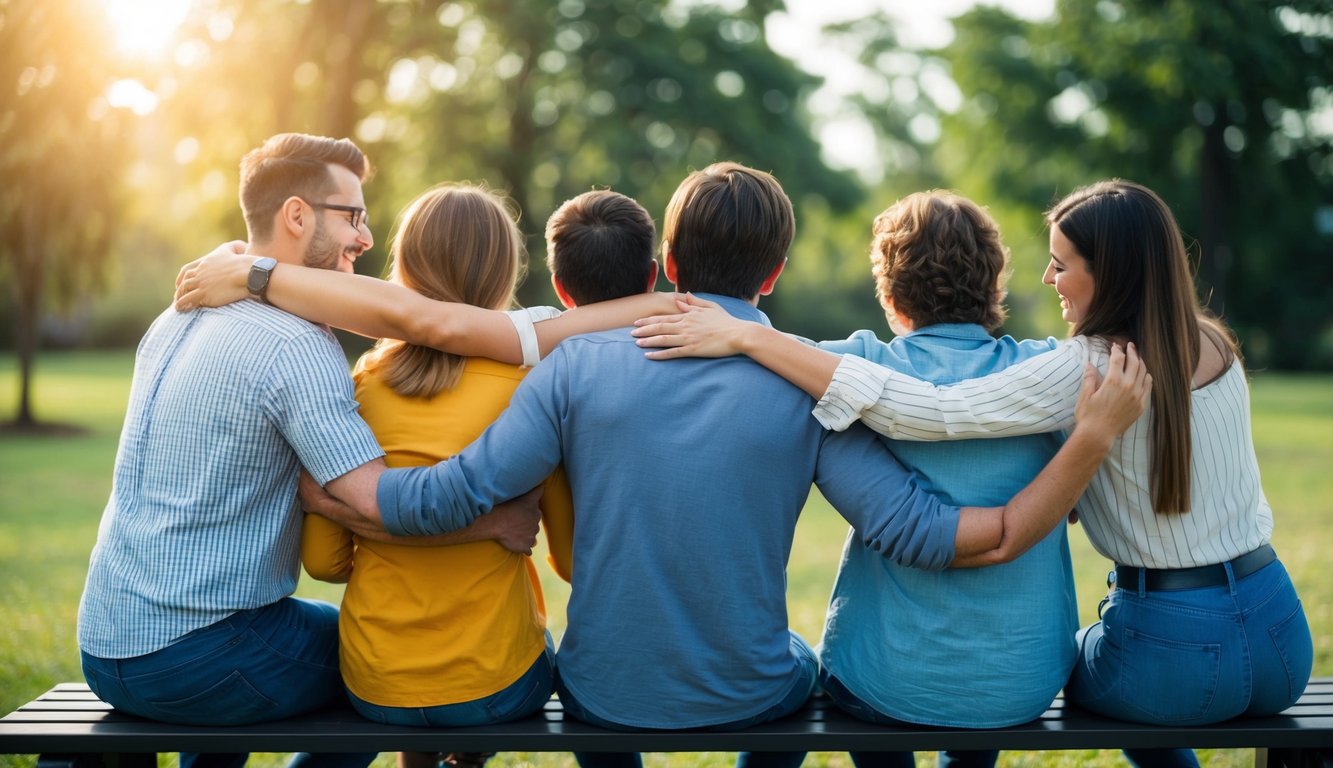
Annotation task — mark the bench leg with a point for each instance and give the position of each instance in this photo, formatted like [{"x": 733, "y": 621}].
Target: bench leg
[{"x": 94, "y": 760}]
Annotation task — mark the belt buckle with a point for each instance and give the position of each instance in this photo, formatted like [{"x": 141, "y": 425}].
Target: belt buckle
[{"x": 1110, "y": 587}]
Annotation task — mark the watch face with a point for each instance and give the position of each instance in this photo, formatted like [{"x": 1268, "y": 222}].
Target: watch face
[{"x": 257, "y": 280}]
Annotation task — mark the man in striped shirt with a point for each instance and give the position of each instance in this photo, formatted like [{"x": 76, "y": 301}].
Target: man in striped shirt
[{"x": 187, "y": 614}]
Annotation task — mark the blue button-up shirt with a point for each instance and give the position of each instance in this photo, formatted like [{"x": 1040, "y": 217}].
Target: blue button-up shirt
[
  {"x": 980, "y": 648},
  {"x": 225, "y": 406},
  {"x": 687, "y": 478}
]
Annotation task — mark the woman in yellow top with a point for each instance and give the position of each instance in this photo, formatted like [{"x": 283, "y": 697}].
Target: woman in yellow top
[{"x": 441, "y": 635}]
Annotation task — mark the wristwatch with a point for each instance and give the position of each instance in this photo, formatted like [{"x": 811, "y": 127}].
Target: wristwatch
[{"x": 257, "y": 282}]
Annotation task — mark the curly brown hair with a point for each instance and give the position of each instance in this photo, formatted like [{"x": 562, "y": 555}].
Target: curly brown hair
[{"x": 937, "y": 257}]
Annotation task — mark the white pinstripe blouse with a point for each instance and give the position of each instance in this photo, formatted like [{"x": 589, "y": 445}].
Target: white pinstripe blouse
[{"x": 1228, "y": 515}]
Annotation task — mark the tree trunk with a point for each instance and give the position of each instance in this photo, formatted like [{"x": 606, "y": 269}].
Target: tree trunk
[
  {"x": 516, "y": 169},
  {"x": 1215, "y": 255},
  {"x": 347, "y": 23},
  {"x": 28, "y": 283}
]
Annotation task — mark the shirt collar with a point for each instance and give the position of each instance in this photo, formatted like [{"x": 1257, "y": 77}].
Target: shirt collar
[
  {"x": 737, "y": 307},
  {"x": 968, "y": 331}
]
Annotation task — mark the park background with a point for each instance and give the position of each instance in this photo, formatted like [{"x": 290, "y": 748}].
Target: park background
[{"x": 122, "y": 122}]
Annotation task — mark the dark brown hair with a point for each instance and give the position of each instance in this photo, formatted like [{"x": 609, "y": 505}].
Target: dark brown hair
[
  {"x": 1143, "y": 291},
  {"x": 938, "y": 258},
  {"x": 599, "y": 245},
  {"x": 728, "y": 228},
  {"x": 292, "y": 165}
]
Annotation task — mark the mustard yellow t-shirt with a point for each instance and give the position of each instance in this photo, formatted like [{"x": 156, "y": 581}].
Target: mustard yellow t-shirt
[{"x": 428, "y": 626}]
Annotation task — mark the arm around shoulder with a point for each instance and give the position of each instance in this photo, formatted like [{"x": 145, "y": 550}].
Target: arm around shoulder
[{"x": 1103, "y": 412}]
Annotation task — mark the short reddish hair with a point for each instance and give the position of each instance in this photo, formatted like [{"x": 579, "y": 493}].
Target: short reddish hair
[{"x": 938, "y": 258}]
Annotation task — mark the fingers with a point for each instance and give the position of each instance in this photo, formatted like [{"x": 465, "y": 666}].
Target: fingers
[
  {"x": 658, "y": 335},
  {"x": 651, "y": 326},
  {"x": 695, "y": 301},
  {"x": 669, "y": 353},
  {"x": 1091, "y": 379},
  {"x": 187, "y": 297}
]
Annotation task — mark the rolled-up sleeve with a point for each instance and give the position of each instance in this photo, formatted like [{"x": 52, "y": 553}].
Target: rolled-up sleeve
[
  {"x": 881, "y": 499},
  {"x": 513, "y": 456},
  {"x": 1034, "y": 396}
]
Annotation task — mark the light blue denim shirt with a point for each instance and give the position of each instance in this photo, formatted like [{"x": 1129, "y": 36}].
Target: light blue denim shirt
[
  {"x": 687, "y": 477},
  {"x": 226, "y": 406},
  {"x": 980, "y": 648}
]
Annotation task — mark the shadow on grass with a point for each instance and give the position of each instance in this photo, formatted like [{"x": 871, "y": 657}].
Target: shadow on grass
[{"x": 41, "y": 429}]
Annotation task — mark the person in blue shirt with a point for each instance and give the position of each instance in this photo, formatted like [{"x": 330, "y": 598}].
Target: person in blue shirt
[
  {"x": 966, "y": 648},
  {"x": 687, "y": 482}
]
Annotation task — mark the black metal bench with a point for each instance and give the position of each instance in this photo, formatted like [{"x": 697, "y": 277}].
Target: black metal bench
[{"x": 69, "y": 726}]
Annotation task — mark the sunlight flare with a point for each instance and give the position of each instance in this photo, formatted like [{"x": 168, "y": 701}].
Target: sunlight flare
[{"x": 145, "y": 27}]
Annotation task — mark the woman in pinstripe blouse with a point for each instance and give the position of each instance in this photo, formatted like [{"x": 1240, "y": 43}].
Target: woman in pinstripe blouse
[{"x": 1203, "y": 623}]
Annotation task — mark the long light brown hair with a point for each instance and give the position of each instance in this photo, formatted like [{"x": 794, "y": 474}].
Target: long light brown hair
[
  {"x": 1144, "y": 292},
  {"x": 458, "y": 243}
]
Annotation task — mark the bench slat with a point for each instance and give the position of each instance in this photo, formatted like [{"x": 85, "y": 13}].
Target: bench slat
[{"x": 69, "y": 719}]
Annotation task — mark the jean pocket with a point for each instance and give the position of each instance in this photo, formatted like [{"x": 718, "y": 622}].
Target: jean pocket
[
  {"x": 1169, "y": 681},
  {"x": 520, "y": 700},
  {"x": 1294, "y": 645},
  {"x": 231, "y": 701}
]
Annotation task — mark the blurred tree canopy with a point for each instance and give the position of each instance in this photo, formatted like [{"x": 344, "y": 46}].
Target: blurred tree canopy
[
  {"x": 63, "y": 150},
  {"x": 125, "y": 165},
  {"x": 1225, "y": 108}
]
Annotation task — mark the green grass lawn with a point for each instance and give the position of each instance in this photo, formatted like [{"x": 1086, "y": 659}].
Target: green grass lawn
[{"x": 53, "y": 488}]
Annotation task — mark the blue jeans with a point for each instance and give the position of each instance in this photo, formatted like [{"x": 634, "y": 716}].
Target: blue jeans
[
  {"x": 1196, "y": 656},
  {"x": 856, "y": 707},
  {"x": 796, "y": 698},
  {"x": 253, "y": 666},
  {"x": 521, "y": 698}
]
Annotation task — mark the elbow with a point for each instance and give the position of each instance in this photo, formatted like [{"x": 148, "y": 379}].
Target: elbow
[
  {"x": 331, "y": 572},
  {"x": 426, "y": 331},
  {"x": 1008, "y": 551}
]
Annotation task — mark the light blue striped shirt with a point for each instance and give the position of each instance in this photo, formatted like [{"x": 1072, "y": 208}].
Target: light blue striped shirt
[{"x": 226, "y": 405}]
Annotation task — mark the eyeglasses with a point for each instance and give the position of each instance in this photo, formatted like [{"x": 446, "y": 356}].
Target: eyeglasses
[{"x": 358, "y": 217}]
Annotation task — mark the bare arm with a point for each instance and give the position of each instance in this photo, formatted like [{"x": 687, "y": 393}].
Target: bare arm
[
  {"x": 704, "y": 329},
  {"x": 987, "y": 536},
  {"x": 513, "y": 524},
  {"x": 1036, "y": 395},
  {"x": 381, "y": 309}
]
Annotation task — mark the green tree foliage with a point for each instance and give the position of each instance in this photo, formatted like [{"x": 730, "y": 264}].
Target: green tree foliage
[
  {"x": 1222, "y": 107},
  {"x": 547, "y": 100},
  {"x": 62, "y": 150},
  {"x": 543, "y": 100}
]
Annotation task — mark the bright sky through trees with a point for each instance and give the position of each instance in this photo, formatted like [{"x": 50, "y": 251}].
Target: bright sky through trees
[
  {"x": 847, "y": 140},
  {"x": 145, "y": 27}
]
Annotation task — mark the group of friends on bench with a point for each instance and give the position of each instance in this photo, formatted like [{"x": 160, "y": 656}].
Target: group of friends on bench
[{"x": 666, "y": 444}]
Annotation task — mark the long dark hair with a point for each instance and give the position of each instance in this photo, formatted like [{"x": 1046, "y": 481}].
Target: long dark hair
[{"x": 1144, "y": 292}]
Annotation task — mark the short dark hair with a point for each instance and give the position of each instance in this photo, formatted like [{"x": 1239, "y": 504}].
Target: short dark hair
[
  {"x": 599, "y": 245},
  {"x": 292, "y": 165},
  {"x": 728, "y": 228},
  {"x": 939, "y": 258}
]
